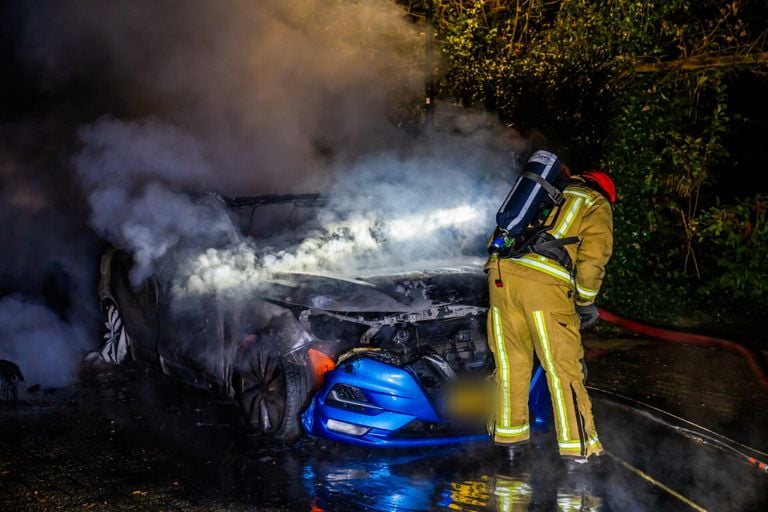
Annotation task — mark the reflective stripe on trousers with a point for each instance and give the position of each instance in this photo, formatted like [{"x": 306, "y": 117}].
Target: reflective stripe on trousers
[
  {"x": 502, "y": 427},
  {"x": 571, "y": 435}
]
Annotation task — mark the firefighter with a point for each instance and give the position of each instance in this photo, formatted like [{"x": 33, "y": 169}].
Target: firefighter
[{"x": 539, "y": 301}]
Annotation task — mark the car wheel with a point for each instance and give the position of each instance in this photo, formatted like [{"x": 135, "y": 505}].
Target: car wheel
[
  {"x": 117, "y": 343},
  {"x": 271, "y": 390}
]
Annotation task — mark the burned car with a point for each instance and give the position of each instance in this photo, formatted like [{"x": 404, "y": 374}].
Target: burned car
[{"x": 364, "y": 359}]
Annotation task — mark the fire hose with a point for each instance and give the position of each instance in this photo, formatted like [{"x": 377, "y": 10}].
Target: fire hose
[
  {"x": 689, "y": 339},
  {"x": 743, "y": 453},
  {"x": 747, "y": 454}
]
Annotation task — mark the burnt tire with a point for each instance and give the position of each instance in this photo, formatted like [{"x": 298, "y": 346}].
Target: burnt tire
[
  {"x": 270, "y": 390},
  {"x": 118, "y": 345}
]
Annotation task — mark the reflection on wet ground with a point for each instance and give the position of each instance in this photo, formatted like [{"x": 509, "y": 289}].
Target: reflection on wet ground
[
  {"x": 136, "y": 442},
  {"x": 470, "y": 478}
]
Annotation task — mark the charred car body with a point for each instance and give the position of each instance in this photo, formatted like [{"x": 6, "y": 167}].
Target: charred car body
[{"x": 367, "y": 360}]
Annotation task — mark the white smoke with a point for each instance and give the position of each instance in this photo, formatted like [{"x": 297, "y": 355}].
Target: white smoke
[
  {"x": 272, "y": 93},
  {"x": 294, "y": 96},
  {"x": 248, "y": 98},
  {"x": 47, "y": 349},
  {"x": 131, "y": 171},
  {"x": 123, "y": 154},
  {"x": 166, "y": 104},
  {"x": 397, "y": 212}
]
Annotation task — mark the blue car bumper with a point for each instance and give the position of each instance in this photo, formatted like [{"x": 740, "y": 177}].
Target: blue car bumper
[{"x": 371, "y": 403}]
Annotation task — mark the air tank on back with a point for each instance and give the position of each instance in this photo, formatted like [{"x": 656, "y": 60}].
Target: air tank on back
[{"x": 529, "y": 191}]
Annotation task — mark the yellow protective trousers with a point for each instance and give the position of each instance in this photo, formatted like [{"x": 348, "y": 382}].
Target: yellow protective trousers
[{"x": 533, "y": 311}]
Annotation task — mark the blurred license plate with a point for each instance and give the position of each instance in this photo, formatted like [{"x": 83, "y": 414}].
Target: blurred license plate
[{"x": 470, "y": 399}]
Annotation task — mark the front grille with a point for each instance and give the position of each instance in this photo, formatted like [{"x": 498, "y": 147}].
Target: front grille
[
  {"x": 418, "y": 429},
  {"x": 347, "y": 392},
  {"x": 351, "y": 398}
]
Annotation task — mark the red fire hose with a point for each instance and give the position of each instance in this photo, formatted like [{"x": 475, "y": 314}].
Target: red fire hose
[{"x": 689, "y": 339}]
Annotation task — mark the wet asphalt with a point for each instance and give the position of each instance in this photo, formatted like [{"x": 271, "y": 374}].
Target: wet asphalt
[{"x": 129, "y": 440}]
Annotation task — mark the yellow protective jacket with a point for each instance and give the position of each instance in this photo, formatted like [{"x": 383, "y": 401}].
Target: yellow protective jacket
[{"x": 587, "y": 215}]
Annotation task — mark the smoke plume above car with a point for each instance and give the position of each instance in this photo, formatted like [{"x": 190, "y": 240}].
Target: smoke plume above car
[
  {"x": 413, "y": 218},
  {"x": 152, "y": 107}
]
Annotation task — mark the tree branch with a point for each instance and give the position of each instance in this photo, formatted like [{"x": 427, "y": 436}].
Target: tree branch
[{"x": 700, "y": 62}]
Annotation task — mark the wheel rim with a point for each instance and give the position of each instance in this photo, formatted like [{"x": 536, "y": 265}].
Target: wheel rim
[
  {"x": 262, "y": 388},
  {"x": 117, "y": 343}
]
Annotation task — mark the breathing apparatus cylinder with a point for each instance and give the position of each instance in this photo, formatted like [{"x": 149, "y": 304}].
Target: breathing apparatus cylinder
[{"x": 526, "y": 198}]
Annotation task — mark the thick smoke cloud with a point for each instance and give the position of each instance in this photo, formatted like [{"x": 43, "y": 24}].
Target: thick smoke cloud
[
  {"x": 133, "y": 172},
  {"x": 254, "y": 98},
  {"x": 310, "y": 107},
  {"x": 155, "y": 104},
  {"x": 270, "y": 90},
  {"x": 421, "y": 209},
  {"x": 413, "y": 207}
]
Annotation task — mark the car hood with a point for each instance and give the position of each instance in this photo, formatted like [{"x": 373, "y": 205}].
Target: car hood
[{"x": 401, "y": 292}]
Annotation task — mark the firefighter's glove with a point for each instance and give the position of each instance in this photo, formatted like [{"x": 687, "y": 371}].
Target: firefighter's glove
[{"x": 588, "y": 315}]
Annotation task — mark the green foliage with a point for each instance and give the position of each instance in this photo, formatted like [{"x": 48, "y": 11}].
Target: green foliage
[
  {"x": 735, "y": 241},
  {"x": 595, "y": 78}
]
